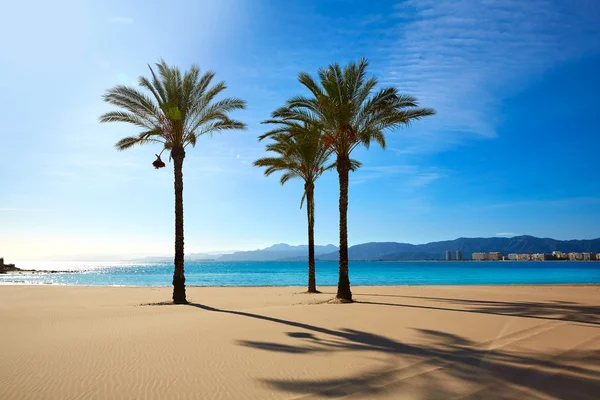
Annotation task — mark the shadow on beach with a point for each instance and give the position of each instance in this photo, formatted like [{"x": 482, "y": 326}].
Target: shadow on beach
[
  {"x": 496, "y": 372},
  {"x": 552, "y": 310}
]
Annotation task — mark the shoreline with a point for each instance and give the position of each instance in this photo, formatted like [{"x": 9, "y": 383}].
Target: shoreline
[{"x": 28, "y": 284}]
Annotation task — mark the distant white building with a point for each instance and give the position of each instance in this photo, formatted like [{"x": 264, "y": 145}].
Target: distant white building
[
  {"x": 490, "y": 256},
  {"x": 575, "y": 256}
]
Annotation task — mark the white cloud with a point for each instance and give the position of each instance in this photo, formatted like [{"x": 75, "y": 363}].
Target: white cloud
[
  {"x": 507, "y": 234},
  {"x": 463, "y": 57},
  {"x": 413, "y": 176},
  {"x": 121, "y": 20}
]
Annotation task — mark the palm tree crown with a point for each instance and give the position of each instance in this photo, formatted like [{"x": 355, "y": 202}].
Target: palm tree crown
[
  {"x": 178, "y": 110},
  {"x": 343, "y": 106},
  {"x": 300, "y": 154}
]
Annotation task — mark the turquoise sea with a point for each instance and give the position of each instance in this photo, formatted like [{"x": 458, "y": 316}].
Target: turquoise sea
[{"x": 295, "y": 273}]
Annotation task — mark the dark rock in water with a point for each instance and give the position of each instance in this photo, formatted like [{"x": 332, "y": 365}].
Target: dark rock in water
[{"x": 4, "y": 268}]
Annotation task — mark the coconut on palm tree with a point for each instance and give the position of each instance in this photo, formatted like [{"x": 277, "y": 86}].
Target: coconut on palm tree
[
  {"x": 350, "y": 112},
  {"x": 173, "y": 113},
  {"x": 299, "y": 152}
]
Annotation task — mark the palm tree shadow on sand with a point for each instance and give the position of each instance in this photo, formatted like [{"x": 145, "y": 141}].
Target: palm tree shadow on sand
[
  {"x": 567, "y": 311},
  {"x": 493, "y": 372}
]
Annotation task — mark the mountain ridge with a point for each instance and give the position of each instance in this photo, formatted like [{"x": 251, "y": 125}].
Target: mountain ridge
[
  {"x": 277, "y": 252},
  {"x": 393, "y": 251}
]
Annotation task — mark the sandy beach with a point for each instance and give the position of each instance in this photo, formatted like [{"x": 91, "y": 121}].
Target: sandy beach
[{"x": 477, "y": 342}]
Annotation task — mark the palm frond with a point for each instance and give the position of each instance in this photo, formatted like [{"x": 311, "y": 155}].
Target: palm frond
[
  {"x": 355, "y": 165},
  {"x": 407, "y": 116},
  {"x": 159, "y": 87},
  {"x": 302, "y": 199},
  {"x": 150, "y": 136},
  {"x": 145, "y": 83},
  {"x": 213, "y": 117},
  {"x": 126, "y": 143},
  {"x": 122, "y": 116},
  {"x": 286, "y": 177},
  {"x": 134, "y": 102},
  {"x": 310, "y": 83}
]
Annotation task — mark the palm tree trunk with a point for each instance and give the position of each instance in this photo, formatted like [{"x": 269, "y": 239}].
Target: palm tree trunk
[
  {"x": 178, "y": 154},
  {"x": 310, "y": 210},
  {"x": 343, "y": 168}
]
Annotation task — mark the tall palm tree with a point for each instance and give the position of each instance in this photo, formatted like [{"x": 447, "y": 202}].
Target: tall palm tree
[
  {"x": 299, "y": 153},
  {"x": 350, "y": 113},
  {"x": 176, "y": 111}
]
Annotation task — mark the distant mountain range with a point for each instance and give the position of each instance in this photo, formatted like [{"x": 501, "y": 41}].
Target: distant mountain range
[
  {"x": 392, "y": 251},
  {"x": 278, "y": 252}
]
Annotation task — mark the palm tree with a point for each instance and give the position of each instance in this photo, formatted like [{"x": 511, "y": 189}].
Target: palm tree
[
  {"x": 350, "y": 113},
  {"x": 176, "y": 111},
  {"x": 300, "y": 153}
]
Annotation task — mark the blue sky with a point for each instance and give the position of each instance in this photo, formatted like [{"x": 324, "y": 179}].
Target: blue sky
[{"x": 514, "y": 149}]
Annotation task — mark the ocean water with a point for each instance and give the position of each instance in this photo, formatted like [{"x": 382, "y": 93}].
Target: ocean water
[{"x": 295, "y": 273}]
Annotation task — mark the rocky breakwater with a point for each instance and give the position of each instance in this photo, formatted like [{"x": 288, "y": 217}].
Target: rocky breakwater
[{"x": 4, "y": 268}]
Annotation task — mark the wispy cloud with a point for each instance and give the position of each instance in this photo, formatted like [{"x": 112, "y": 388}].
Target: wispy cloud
[
  {"x": 507, "y": 234},
  {"x": 8, "y": 209},
  {"x": 463, "y": 57},
  {"x": 366, "y": 174},
  {"x": 414, "y": 177},
  {"x": 422, "y": 180},
  {"x": 566, "y": 202},
  {"x": 121, "y": 20}
]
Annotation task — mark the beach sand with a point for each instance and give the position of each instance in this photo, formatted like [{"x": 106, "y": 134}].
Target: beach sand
[{"x": 444, "y": 342}]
